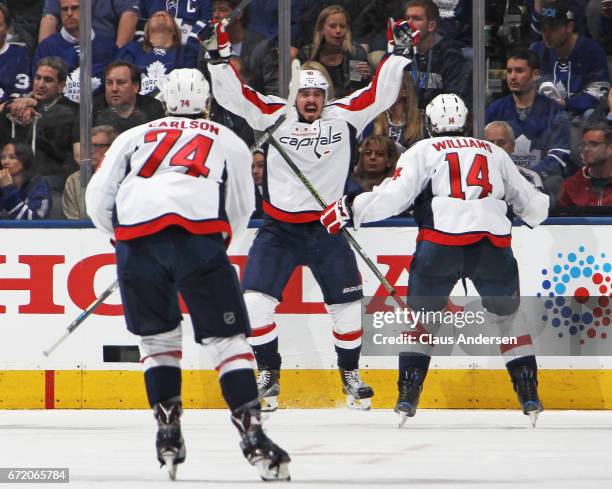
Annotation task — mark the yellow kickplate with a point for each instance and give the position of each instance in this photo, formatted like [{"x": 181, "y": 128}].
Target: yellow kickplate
[{"x": 444, "y": 389}]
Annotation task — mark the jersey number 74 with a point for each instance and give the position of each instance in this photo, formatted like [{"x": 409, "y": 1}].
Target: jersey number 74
[{"x": 192, "y": 154}]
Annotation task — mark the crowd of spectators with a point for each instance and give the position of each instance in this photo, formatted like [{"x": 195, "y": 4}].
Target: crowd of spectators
[{"x": 548, "y": 99}]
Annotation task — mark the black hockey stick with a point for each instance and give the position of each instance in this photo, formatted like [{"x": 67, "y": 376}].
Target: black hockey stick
[
  {"x": 82, "y": 317},
  {"x": 352, "y": 241}
]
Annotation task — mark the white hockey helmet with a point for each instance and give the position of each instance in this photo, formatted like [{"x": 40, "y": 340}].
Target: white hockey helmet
[
  {"x": 313, "y": 79},
  {"x": 446, "y": 113},
  {"x": 185, "y": 91}
]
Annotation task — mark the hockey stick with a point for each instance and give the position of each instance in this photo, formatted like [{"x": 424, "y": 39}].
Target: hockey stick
[
  {"x": 352, "y": 241},
  {"x": 235, "y": 13},
  {"x": 82, "y": 317}
]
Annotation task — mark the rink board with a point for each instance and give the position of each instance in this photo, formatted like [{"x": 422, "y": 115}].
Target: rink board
[{"x": 48, "y": 276}]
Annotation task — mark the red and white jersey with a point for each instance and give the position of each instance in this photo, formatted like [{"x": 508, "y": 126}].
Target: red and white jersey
[
  {"x": 173, "y": 171},
  {"x": 461, "y": 188},
  {"x": 321, "y": 150}
]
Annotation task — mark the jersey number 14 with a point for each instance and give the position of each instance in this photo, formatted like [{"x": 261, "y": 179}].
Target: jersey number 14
[
  {"x": 192, "y": 154},
  {"x": 478, "y": 176}
]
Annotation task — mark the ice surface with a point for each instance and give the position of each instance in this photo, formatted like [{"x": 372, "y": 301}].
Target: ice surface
[{"x": 334, "y": 448}]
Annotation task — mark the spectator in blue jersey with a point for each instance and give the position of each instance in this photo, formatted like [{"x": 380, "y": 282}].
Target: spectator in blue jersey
[
  {"x": 65, "y": 44},
  {"x": 14, "y": 63},
  {"x": 116, "y": 19},
  {"x": 26, "y": 19},
  {"x": 438, "y": 64},
  {"x": 189, "y": 15},
  {"x": 160, "y": 51},
  {"x": 121, "y": 106},
  {"x": 46, "y": 120},
  {"x": 578, "y": 8},
  {"x": 23, "y": 194},
  {"x": 574, "y": 68},
  {"x": 541, "y": 127}
]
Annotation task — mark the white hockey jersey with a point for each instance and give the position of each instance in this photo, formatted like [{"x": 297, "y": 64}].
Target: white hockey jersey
[
  {"x": 321, "y": 150},
  {"x": 173, "y": 171},
  {"x": 461, "y": 188}
]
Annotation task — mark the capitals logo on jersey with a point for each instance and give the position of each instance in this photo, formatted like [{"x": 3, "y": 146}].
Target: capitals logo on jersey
[{"x": 308, "y": 137}]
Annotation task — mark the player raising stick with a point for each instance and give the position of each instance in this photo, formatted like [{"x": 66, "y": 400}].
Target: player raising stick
[
  {"x": 461, "y": 188},
  {"x": 171, "y": 193},
  {"x": 318, "y": 135}
]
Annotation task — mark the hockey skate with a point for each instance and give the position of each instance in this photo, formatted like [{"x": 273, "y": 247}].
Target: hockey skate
[
  {"x": 169, "y": 443},
  {"x": 358, "y": 393},
  {"x": 268, "y": 386},
  {"x": 271, "y": 461},
  {"x": 409, "y": 386},
  {"x": 526, "y": 386}
]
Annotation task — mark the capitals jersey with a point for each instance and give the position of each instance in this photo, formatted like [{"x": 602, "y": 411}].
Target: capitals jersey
[
  {"x": 158, "y": 62},
  {"x": 14, "y": 71},
  {"x": 321, "y": 150},
  {"x": 173, "y": 171},
  {"x": 461, "y": 188},
  {"x": 62, "y": 44}
]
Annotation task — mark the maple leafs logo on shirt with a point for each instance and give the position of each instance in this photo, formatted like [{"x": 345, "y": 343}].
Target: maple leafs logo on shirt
[
  {"x": 72, "y": 90},
  {"x": 149, "y": 81}
]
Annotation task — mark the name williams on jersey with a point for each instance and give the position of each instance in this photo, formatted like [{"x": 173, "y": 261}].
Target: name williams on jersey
[{"x": 322, "y": 139}]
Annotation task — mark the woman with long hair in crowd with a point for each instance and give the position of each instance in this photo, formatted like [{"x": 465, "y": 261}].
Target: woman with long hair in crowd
[
  {"x": 333, "y": 47},
  {"x": 23, "y": 194},
  {"x": 377, "y": 158},
  {"x": 401, "y": 122}
]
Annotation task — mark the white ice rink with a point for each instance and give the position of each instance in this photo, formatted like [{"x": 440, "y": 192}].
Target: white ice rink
[{"x": 330, "y": 449}]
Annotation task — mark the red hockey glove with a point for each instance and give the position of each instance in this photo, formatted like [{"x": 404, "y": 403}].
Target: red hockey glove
[
  {"x": 215, "y": 40},
  {"x": 402, "y": 36},
  {"x": 336, "y": 216}
]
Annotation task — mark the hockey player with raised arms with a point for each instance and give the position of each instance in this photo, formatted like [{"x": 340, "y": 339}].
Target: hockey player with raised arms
[
  {"x": 461, "y": 188},
  {"x": 172, "y": 193},
  {"x": 318, "y": 135}
]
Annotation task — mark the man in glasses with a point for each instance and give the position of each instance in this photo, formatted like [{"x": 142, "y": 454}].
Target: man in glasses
[
  {"x": 73, "y": 198},
  {"x": 592, "y": 186}
]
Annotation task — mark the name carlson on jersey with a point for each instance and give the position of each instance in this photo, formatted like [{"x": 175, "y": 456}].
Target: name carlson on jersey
[{"x": 193, "y": 124}]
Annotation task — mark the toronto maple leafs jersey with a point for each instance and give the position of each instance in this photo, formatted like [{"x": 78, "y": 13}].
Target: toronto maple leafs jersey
[
  {"x": 174, "y": 171},
  {"x": 158, "y": 62},
  {"x": 62, "y": 44},
  {"x": 321, "y": 150},
  {"x": 186, "y": 13},
  {"x": 461, "y": 188},
  {"x": 582, "y": 79},
  {"x": 542, "y": 139},
  {"x": 14, "y": 71}
]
